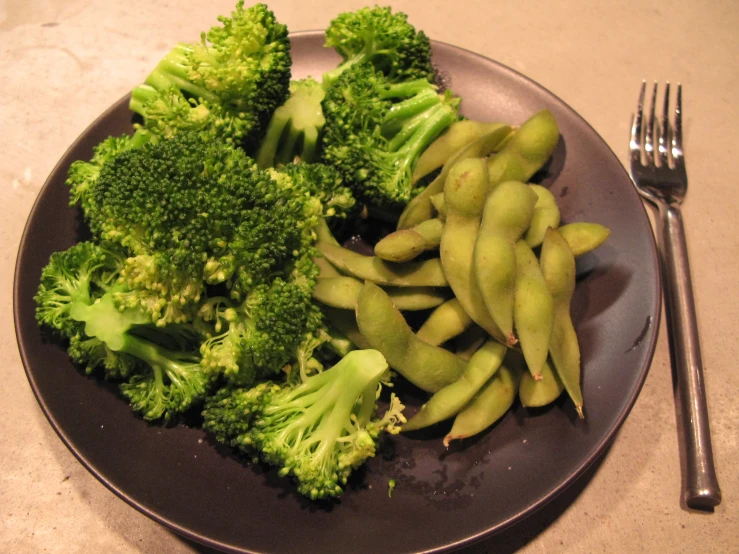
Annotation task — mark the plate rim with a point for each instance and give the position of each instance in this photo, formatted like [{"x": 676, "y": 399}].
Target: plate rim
[{"x": 599, "y": 450}]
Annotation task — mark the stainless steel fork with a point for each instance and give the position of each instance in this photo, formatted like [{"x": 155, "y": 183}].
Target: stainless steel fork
[{"x": 658, "y": 170}]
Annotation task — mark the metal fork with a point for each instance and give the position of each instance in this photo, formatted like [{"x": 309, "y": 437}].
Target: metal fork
[{"x": 658, "y": 170}]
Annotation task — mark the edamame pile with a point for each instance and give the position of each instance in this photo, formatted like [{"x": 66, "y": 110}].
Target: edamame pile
[{"x": 481, "y": 250}]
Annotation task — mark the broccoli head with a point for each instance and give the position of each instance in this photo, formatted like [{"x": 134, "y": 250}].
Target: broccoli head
[
  {"x": 76, "y": 297},
  {"x": 383, "y": 38},
  {"x": 376, "y": 130},
  {"x": 317, "y": 430},
  {"x": 194, "y": 211},
  {"x": 230, "y": 82}
]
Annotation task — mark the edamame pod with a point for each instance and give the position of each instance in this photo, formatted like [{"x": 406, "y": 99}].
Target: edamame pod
[
  {"x": 445, "y": 322},
  {"x": 405, "y": 244},
  {"x": 583, "y": 237},
  {"x": 325, "y": 268},
  {"x": 464, "y": 192},
  {"x": 420, "y": 207},
  {"x": 537, "y": 393},
  {"x": 558, "y": 267},
  {"x": 507, "y": 214},
  {"x": 457, "y": 136},
  {"x": 346, "y": 322},
  {"x": 533, "y": 311},
  {"x": 428, "y": 367},
  {"x": 451, "y": 399},
  {"x": 490, "y": 404},
  {"x": 428, "y": 273},
  {"x": 546, "y": 214},
  {"x": 342, "y": 292},
  {"x": 437, "y": 201},
  {"x": 527, "y": 150}
]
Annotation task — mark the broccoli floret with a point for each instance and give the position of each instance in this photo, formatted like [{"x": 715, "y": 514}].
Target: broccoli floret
[
  {"x": 317, "y": 431},
  {"x": 323, "y": 183},
  {"x": 294, "y": 130},
  {"x": 385, "y": 39},
  {"x": 76, "y": 297},
  {"x": 231, "y": 81},
  {"x": 193, "y": 211},
  {"x": 262, "y": 335},
  {"x": 376, "y": 130}
]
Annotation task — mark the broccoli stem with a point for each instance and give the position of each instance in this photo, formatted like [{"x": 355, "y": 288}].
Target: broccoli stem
[
  {"x": 409, "y": 108},
  {"x": 406, "y": 89},
  {"x": 174, "y": 69},
  {"x": 175, "y": 364}
]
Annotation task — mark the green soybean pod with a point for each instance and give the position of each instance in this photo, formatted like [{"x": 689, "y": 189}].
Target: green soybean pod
[
  {"x": 428, "y": 367},
  {"x": 457, "y": 136},
  {"x": 404, "y": 245},
  {"x": 491, "y": 403},
  {"x": 445, "y": 322},
  {"x": 342, "y": 292},
  {"x": 428, "y": 273},
  {"x": 527, "y": 150},
  {"x": 325, "y": 268},
  {"x": 584, "y": 237},
  {"x": 465, "y": 191},
  {"x": 533, "y": 312},
  {"x": 437, "y": 201},
  {"x": 451, "y": 399},
  {"x": 537, "y": 393},
  {"x": 346, "y": 322},
  {"x": 420, "y": 207},
  {"x": 546, "y": 214},
  {"x": 506, "y": 215},
  {"x": 558, "y": 266}
]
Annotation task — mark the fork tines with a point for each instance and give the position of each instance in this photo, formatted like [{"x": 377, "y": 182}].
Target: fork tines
[{"x": 667, "y": 135}]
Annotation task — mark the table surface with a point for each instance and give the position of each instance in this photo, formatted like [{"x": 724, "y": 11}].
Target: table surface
[{"x": 62, "y": 62}]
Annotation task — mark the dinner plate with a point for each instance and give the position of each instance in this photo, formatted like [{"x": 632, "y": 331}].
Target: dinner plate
[{"x": 444, "y": 498}]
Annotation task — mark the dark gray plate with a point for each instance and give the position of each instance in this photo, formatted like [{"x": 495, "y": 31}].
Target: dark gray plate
[{"x": 444, "y": 498}]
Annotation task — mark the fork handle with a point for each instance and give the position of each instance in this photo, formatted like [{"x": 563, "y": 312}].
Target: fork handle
[{"x": 700, "y": 486}]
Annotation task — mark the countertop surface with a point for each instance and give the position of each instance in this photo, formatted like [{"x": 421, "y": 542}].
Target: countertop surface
[{"x": 63, "y": 62}]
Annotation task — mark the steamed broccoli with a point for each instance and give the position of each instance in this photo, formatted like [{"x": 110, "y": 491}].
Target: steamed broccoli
[
  {"x": 376, "y": 130},
  {"x": 385, "y": 39},
  {"x": 76, "y": 298},
  {"x": 295, "y": 127},
  {"x": 230, "y": 82},
  {"x": 317, "y": 431},
  {"x": 192, "y": 212}
]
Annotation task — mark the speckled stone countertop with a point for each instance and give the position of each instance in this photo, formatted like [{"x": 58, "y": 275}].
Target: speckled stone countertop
[{"x": 63, "y": 62}]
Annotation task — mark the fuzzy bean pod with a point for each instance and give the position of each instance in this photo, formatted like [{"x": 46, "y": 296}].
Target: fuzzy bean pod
[
  {"x": 420, "y": 207},
  {"x": 491, "y": 403},
  {"x": 405, "y": 244},
  {"x": 526, "y": 151},
  {"x": 537, "y": 393},
  {"x": 445, "y": 322},
  {"x": 583, "y": 237},
  {"x": 469, "y": 341},
  {"x": 546, "y": 214},
  {"x": 346, "y": 322},
  {"x": 451, "y": 399},
  {"x": 428, "y": 367},
  {"x": 507, "y": 214},
  {"x": 342, "y": 292},
  {"x": 437, "y": 201},
  {"x": 533, "y": 311},
  {"x": 558, "y": 267},
  {"x": 457, "y": 136},
  {"x": 428, "y": 273},
  {"x": 464, "y": 192}
]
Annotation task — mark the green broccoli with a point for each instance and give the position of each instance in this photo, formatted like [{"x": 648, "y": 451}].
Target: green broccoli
[
  {"x": 318, "y": 430},
  {"x": 230, "y": 82},
  {"x": 194, "y": 212},
  {"x": 385, "y": 39},
  {"x": 376, "y": 130},
  {"x": 76, "y": 298},
  {"x": 295, "y": 128}
]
